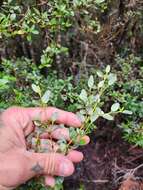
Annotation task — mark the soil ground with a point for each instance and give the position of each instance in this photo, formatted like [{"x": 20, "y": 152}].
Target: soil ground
[{"x": 107, "y": 155}]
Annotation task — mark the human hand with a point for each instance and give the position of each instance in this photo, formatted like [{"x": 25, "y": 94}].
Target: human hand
[{"x": 17, "y": 164}]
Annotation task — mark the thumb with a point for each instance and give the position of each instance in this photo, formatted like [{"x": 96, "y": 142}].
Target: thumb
[{"x": 53, "y": 164}]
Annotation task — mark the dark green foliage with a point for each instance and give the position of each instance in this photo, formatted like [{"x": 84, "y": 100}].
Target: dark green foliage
[{"x": 130, "y": 94}]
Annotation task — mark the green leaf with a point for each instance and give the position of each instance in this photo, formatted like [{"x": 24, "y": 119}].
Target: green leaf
[
  {"x": 101, "y": 84},
  {"x": 36, "y": 89},
  {"x": 91, "y": 81},
  {"x": 100, "y": 1},
  {"x": 108, "y": 117},
  {"x": 13, "y": 16},
  {"x": 115, "y": 107},
  {"x": 94, "y": 117},
  {"x": 80, "y": 116},
  {"x": 46, "y": 97},
  {"x": 20, "y": 32},
  {"x": 83, "y": 112},
  {"x": 3, "y": 81},
  {"x": 112, "y": 78},
  {"x": 89, "y": 110},
  {"x": 100, "y": 74},
  {"x": 96, "y": 98},
  {"x": 59, "y": 180},
  {"x": 35, "y": 31},
  {"x": 83, "y": 95},
  {"x": 127, "y": 112},
  {"x": 63, "y": 147},
  {"x": 99, "y": 111},
  {"x": 108, "y": 68},
  {"x": 29, "y": 37}
]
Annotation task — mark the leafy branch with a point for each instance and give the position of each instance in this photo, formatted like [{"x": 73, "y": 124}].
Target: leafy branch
[{"x": 89, "y": 109}]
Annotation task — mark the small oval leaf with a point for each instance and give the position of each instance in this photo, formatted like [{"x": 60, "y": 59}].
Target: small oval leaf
[
  {"x": 83, "y": 95},
  {"x": 112, "y": 78},
  {"x": 108, "y": 117},
  {"x": 108, "y": 68},
  {"x": 115, "y": 107},
  {"x": 91, "y": 81},
  {"x": 127, "y": 112},
  {"x": 101, "y": 84},
  {"x": 46, "y": 97},
  {"x": 80, "y": 117},
  {"x": 36, "y": 88},
  {"x": 94, "y": 117},
  {"x": 100, "y": 74}
]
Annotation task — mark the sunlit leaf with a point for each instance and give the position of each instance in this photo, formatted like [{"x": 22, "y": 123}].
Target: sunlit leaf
[
  {"x": 127, "y": 112},
  {"x": 99, "y": 111},
  {"x": 101, "y": 84},
  {"x": 13, "y": 16},
  {"x": 36, "y": 88},
  {"x": 100, "y": 1},
  {"x": 108, "y": 68},
  {"x": 94, "y": 117},
  {"x": 91, "y": 81},
  {"x": 83, "y": 95},
  {"x": 112, "y": 78},
  {"x": 3, "y": 81},
  {"x": 46, "y": 97},
  {"x": 80, "y": 116},
  {"x": 100, "y": 74},
  {"x": 108, "y": 117},
  {"x": 115, "y": 107}
]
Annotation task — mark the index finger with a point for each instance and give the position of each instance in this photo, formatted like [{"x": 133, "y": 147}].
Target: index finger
[{"x": 46, "y": 113}]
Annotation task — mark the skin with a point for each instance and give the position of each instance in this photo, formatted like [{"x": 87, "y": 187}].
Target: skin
[{"x": 17, "y": 164}]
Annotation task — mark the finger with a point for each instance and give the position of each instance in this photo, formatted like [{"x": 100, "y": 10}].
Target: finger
[
  {"x": 45, "y": 145},
  {"x": 86, "y": 139},
  {"x": 45, "y": 114},
  {"x": 57, "y": 133},
  {"x": 75, "y": 156},
  {"x": 48, "y": 146},
  {"x": 53, "y": 164},
  {"x": 29, "y": 128},
  {"x": 62, "y": 133},
  {"x": 28, "y": 164},
  {"x": 49, "y": 181}
]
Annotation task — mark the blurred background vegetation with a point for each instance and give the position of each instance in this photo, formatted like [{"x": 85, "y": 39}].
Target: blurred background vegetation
[{"x": 57, "y": 44}]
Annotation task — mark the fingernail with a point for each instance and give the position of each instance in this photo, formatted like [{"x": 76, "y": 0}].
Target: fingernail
[{"x": 63, "y": 169}]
